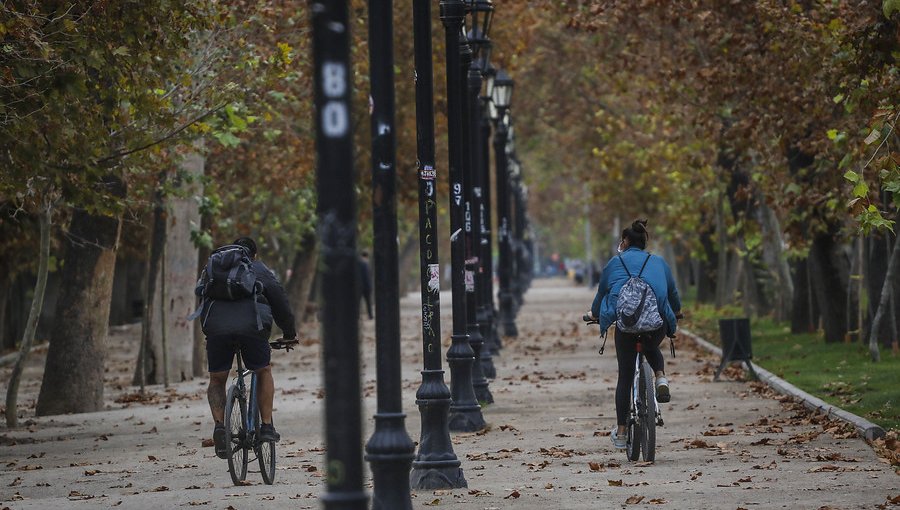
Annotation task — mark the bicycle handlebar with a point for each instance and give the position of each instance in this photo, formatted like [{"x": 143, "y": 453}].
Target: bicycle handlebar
[
  {"x": 589, "y": 319},
  {"x": 285, "y": 344}
]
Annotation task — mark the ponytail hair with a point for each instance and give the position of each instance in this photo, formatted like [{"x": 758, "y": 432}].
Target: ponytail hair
[{"x": 637, "y": 234}]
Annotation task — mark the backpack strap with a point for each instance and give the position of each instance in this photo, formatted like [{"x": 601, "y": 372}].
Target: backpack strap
[
  {"x": 642, "y": 267},
  {"x": 626, "y": 267}
]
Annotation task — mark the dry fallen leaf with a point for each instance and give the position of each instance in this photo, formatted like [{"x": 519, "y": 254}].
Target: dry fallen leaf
[
  {"x": 615, "y": 483},
  {"x": 633, "y": 500},
  {"x": 513, "y": 495}
]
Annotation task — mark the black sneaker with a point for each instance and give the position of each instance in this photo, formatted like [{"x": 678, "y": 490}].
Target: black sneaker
[
  {"x": 219, "y": 440},
  {"x": 267, "y": 432}
]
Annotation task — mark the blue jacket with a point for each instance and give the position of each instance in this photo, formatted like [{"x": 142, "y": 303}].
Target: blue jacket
[{"x": 657, "y": 274}]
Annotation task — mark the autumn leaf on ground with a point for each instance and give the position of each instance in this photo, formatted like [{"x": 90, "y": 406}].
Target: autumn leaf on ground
[
  {"x": 513, "y": 495},
  {"x": 595, "y": 466},
  {"x": 634, "y": 500},
  {"x": 615, "y": 483},
  {"x": 719, "y": 431}
]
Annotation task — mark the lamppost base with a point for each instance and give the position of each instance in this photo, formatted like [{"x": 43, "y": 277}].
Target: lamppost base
[
  {"x": 345, "y": 500},
  {"x": 483, "y": 393},
  {"x": 427, "y": 476},
  {"x": 468, "y": 420},
  {"x": 487, "y": 364},
  {"x": 510, "y": 329}
]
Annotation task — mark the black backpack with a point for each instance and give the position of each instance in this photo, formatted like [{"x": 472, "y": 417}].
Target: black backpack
[{"x": 229, "y": 274}]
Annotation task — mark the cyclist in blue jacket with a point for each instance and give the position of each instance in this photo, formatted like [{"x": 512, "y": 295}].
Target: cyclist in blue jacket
[{"x": 658, "y": 275}]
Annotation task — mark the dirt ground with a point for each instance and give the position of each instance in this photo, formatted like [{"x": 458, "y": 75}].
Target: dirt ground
[{"x": 725, "y": 445}]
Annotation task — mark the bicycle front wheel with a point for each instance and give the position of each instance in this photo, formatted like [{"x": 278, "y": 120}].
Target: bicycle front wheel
[
  {"x": 236, "y": 434},
  {"x": 648, "y": 398},
  {"x": 265, "y": 452}
]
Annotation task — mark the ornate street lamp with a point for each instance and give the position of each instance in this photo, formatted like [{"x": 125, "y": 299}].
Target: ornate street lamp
[
  {"x": 436, "y": 465},
  {"x": 490, "y": 328},
  {"x": 338, "y": 273},
  {"x": 465, "y": 413},
  {"x": 480, "y": 11},
  {"x": 501, "y": 95},
  {"x": 389, "y": 450}
]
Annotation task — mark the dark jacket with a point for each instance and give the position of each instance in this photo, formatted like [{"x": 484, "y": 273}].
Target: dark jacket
[{"x": 221, "y": 317}]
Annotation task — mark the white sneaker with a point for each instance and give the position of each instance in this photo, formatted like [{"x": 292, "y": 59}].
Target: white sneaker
[
  {"x": 662, "y": 390},
  {"x": 618, "y": 442}
]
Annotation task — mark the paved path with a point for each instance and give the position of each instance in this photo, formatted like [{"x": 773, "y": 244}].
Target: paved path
[{"x": 725, "y": 445}]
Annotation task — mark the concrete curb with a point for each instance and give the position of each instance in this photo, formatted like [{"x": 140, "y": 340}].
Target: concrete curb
[{"x": 864, "y": 427}]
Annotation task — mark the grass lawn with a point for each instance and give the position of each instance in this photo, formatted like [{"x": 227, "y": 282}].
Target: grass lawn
[{"x": 840, "y": 374}]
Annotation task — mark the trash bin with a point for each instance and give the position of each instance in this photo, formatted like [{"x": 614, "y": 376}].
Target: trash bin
[
  {"x": 735, "y": 334},
  {"x": 736, "y": 346}
]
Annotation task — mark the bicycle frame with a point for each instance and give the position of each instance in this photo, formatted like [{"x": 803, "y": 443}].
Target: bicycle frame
[
  {"x": 635, "y": 383},
  {"x": 252, "y": 400}
]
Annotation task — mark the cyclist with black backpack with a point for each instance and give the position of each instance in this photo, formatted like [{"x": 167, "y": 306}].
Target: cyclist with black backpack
[
  {"x": 636, "y": 293},
  {"x": 240, "y": 297}
]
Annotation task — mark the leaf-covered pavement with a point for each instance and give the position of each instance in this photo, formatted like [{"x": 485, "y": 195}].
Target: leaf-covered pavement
[{"x": 725, "y": 445}]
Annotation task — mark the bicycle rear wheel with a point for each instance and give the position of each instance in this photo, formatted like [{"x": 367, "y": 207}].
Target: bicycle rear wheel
[
  {"x": 635, "y": 429},
  {"x": 236, "y": 434},
  {"x": 648, "y": 438}
]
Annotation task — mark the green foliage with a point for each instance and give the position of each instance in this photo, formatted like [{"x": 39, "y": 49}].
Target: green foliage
[{"x": 839, "y": 373}]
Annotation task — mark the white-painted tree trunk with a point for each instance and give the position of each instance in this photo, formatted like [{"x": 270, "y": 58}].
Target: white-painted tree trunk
[{"x": 171, "y": 334}]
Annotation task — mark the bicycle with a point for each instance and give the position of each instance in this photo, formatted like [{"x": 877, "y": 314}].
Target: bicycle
[
  {"x": 242, "y": 424},
  {"x": 644, "y": 414}
]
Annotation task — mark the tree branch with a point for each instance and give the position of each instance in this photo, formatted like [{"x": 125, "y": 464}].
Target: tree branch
[{"x": 123, "y": 153}]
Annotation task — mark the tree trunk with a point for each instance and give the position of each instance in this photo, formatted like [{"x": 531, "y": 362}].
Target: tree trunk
[
  {"x": 883, "y": 302},
  {"x": 73, "y": 374},
  {"x": 12, "y": 391},
  {"x": 722, "y": 250},
  {"x": 408, "y": 261},
  {"x": 7, "y": 341},
  {"x": 170, "y": 346},
  {"x": 878, "y": 252},
  {"x": 804, "y": 313},
  {"x": 829, "y": 274},
  {"x": 145, "y": 371},
  {"x": 200, "y": 365},
  {"x": 774, "y": 259},
  {"x": 303, "y": 272}
]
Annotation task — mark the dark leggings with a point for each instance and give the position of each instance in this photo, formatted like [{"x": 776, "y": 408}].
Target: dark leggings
[{"x": 625, "y": 353}]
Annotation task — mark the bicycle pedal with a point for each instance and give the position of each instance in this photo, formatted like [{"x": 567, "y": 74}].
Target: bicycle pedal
[{"x": 659, "y": 421}]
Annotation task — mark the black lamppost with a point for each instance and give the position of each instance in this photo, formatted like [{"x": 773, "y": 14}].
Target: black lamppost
[
  {"x": 516, "y": 242},
  {"x": 482, "y": 13},
  {"x": 339, "y": 272},
  {"x": 474, "y": 206},
  {"x": 465, "y": 413},
  {"x": 501, "y": 95},
  {"x": 519, "y": 234},
  {"x": 436, "y": 465},
  {"x": 389, "y": 450},
  {"x": 490, "y": 327}
]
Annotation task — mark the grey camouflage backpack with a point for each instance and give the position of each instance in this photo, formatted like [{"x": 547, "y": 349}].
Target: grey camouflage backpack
[{"x": 636, "y": 308}]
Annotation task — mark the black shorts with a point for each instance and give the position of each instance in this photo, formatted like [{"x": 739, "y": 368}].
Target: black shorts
[{"x": 255, "y": 351}]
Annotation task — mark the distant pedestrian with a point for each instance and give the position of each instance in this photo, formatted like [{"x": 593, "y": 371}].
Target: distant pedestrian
[{"x": 365, "y": 281}]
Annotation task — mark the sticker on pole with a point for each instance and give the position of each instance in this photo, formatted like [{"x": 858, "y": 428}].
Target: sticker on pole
[
  {"x": 470, "y": 280},
  {"x": 434, "y": 277},
  {"x": 428, "y": 173}
]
